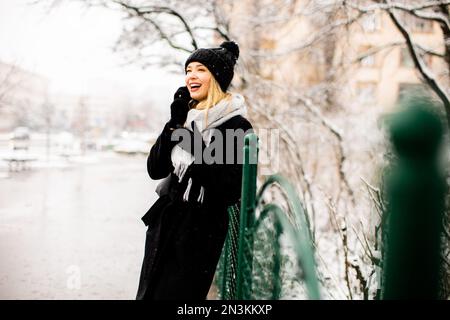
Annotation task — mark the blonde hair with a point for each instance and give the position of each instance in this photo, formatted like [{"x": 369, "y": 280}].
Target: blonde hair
[{"x": 214, "y": 96}]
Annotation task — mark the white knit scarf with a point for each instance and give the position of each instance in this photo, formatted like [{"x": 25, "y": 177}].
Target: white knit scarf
[{"x": 218, "y": 114}]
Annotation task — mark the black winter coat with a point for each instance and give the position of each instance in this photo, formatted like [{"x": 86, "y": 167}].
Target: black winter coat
[{"x": 184, "y": 240}]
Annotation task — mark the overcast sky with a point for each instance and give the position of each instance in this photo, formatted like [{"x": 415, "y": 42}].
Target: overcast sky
[{"x": 72, "y": 47}]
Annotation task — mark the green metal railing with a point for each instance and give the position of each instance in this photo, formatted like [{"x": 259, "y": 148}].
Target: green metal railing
[
  {"x": 416, "y": 190},
  {"x": 265, "y": 242},
  {"x": 255, "y": 256}
]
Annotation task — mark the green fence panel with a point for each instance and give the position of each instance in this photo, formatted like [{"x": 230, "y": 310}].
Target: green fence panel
[{"x": 251, "y": 263}]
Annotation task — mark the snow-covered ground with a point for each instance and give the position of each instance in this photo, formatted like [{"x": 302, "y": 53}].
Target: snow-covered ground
[{"x": 71, "y": 228}]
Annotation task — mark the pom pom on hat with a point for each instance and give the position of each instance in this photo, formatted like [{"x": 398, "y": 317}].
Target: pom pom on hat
[{"x": 232, "y": 47}]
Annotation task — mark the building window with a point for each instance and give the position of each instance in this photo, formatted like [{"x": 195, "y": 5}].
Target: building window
[
  {"x": 406, "y": 60},
  {"x": 410, "y": 89},
  {"x": 421, "y": 25},
  {"x": 371, "y": 22},
  {"x": 268, "y": 43},
  {"x": 416, "y": 24},
  {"x": 366, "y": 92},
  {"x": 367, "y": 58}
]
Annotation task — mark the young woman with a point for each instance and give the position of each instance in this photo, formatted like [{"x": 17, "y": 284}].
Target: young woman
[{"x": 187, "y": 225}]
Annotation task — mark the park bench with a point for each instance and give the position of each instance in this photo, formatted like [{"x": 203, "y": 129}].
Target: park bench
[{"x": 18, "y": 161}]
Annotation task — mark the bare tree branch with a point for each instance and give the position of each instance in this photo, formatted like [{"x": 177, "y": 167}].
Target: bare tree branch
[
  {"x": 342, "y": 232},
  {"x": 330, "y": 274},
  {"x": 146, "y": 11},
  {"x": 362, "y": 281},
  {"x": 378, "y": 201},
  {"x": 446, "y": 261},
  {"x": 292, "y": 148},
  {"x": 318, "y": 36},
  {"x": 429, "y": 51},
  {"x": 6, "y": 85},
  {"x": 374, "y": 50},
  {"x": 446, "y": 32},
  {"x": 395, "y": 5},
  {"x": 327, "y": 124},
  {"x": 424, "y": 71},
  {"x": 221, "y": 21},
  {"x": 364, "y": 244},
  {"x": 342, "y": 158}
]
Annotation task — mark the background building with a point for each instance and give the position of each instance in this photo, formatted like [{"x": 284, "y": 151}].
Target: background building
[{"x": 335, "y": 56}]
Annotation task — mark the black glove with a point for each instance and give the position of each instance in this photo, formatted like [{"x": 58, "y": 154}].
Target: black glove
[
  {"x": 179, "y": 107},
  {"x": 182, "y": 93}
]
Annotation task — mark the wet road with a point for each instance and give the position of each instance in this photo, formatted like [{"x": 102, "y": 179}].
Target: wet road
[{"x": 75, "y": 232}]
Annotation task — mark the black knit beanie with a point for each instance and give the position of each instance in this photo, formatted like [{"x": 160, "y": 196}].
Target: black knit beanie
[{"x": 219, "y": 61}]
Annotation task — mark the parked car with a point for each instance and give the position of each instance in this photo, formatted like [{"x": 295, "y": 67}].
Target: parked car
[{"x": 131, "y": 147}]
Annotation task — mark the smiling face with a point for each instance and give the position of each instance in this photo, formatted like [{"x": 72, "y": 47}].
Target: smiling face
[{"x": 197, "y": 80}]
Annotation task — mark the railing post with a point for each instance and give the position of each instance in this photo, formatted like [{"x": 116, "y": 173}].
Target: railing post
[
  {"x": 248, "y": 195},
  {"x": 415, "y": 205},
  {"x": 277, "y": 261}
]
